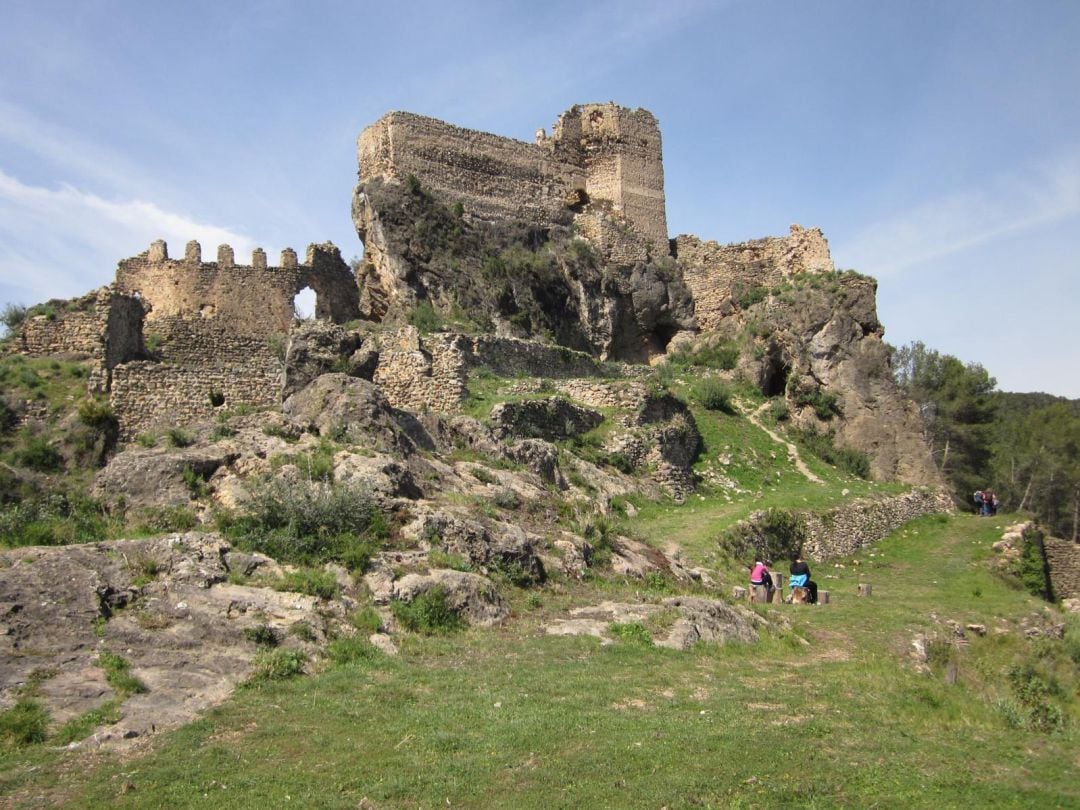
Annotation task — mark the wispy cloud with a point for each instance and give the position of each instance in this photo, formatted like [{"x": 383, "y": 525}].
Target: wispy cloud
[
  {"x": 1010, "y": 203},
  {"x": 63, "y": 242}
]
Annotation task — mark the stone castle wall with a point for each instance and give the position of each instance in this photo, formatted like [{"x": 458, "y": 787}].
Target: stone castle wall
[
  {"x": 250, "y": 299},
  {"x": 1063, "y": 559},
  {"x": 610, "y": 153},
  {"x": 103, "y": 326},
  {"x": 845, "y": 529},
  {"x": 718, "y": 274}
]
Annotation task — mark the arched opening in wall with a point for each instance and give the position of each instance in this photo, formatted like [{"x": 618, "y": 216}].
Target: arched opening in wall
[
  {"x": 304, "y": 304},
  {"x": 774, "y": 373}
]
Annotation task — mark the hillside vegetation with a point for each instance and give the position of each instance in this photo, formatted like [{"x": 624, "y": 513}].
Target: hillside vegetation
[{"x": 829, "y": 711}]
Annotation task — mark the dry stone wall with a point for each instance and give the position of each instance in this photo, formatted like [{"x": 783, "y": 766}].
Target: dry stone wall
[
  {"x": 845, "y": 529},
  {"x": 1063, "y": 559},
  {"x": 718, "y": 274}
]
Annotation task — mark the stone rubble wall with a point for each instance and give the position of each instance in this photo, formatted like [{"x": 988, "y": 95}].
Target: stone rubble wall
[
  {"x": 716, "y": 274},
  {"x": 845, "y": 529},
  {"x": 103, "y": 326},
  {"x": 1063, "y": 559},
  {"x": 430, "y": 372},
  {"x": 597, "y": 394},
  {"x": 611, "y": 153},
  {"x": 150, "y": 396}
]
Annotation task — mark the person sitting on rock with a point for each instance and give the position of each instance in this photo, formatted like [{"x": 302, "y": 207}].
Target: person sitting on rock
[
  {"x": 760, "y": 576},
  {"x": 800, "y": 578}
]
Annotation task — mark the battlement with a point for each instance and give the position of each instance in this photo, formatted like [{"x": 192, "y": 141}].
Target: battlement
[
  {"x": 251, "y": 300},
  {"x": 599, "y": 153}
]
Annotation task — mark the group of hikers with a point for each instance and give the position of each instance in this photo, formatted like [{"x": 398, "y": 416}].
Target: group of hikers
[
  {"x": 760, "y": 576},
  {"x": 986, "y": 502}
]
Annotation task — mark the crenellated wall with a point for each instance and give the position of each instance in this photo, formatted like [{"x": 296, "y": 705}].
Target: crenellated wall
[
  {"x": 718, "y": 274},
  {"x": 250, "y": 299}
]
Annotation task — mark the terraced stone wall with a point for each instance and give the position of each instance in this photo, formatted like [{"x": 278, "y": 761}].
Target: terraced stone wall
[{"x": 1063, "y": 559}]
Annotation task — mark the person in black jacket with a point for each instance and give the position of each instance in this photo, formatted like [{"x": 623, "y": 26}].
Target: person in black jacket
[{"x": 800, "y": 578}]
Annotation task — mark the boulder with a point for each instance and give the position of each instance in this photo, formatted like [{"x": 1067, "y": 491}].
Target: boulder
[
  {"x": 147, "y": 477},
  {"x": 470, "y": 595}
]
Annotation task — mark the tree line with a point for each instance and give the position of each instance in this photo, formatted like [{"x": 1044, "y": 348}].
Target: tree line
[{"x": 1024, "y": 447}]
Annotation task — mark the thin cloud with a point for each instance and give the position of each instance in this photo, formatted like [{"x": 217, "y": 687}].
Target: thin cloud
[
  {"x": 1012, "y": 203},
  {"x": 77, "y": 238}
]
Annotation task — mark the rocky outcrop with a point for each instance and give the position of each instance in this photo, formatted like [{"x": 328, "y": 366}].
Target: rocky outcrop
[
  {"x": 164, "y": 606},
  {"x": 552, "y": 419},
  {"x": 469, "y": 595}
]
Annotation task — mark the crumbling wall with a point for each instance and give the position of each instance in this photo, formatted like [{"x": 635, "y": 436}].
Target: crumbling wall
[
  {"x": 718, "y": 275},
  {"x": 430, "y": 372},
  {"x": 103, "y": 325},
  {"x": 845, "y": 529},
  {"x": 599, "y": 153},
  {"x": 246, "y": 299},
  {"x": 1063, "y": 559}
]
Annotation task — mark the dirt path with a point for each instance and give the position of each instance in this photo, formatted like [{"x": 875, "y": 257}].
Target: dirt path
[{"x": 792, "y": 450}]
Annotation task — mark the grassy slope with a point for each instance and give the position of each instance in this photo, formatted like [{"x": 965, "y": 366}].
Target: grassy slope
[{"x": 510, "y": 718}]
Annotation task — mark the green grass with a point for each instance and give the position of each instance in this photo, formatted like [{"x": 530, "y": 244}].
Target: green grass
[{"x": 511, "y": 718}]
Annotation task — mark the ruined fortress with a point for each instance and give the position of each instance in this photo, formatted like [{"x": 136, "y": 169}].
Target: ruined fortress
[{"x": 173, "y": 340}]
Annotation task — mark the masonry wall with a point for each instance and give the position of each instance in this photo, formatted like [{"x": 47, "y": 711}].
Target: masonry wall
[
  {"x": 250, "y": 299},
  {"x": 1063, "y": 558},
  {"x": 431, "y": 371},
  {"x": 102, "y": 326},
  {"x": 845, "y": 529},
  {"x": 716, "y": 274},
  {"x": 611, "y": 153}
]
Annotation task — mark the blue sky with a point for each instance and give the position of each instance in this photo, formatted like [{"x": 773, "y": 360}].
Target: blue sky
[{"x": 936, "y": 144}]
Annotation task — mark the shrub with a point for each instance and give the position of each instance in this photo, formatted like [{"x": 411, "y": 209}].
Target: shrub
[
  {"x": 1031, "y": 567},
  {"x": 772, "y": 534},
  {"x": 366, "y": 620},
  {"x": 12, "y": 317},
  {"x": 195, "y": 483},
  {"x": 821, "y": 445},
  {"x": 175, "y": 437},
  {"x": 428, "y": 613},
  {"x": 351, "y": 650},
  {"x": 54, "y": 520},
  {"x": 425, "y": 318},
  {"x": 98, "y": 415},
  {"x": 262, "y": 635},
  {"x": 309, "y": 522},
  {"x": 779, "y": 410},
  {"x": 277, "y": 664},
  {"x": 632, "y": 632},
  {"x": 506, "y": 499},
  {"x": 25, "y": 723},
  {"x": 37, "y": 454},
  {"x": 714, "y": 395},
  {"x": 321, "y": 584},
  {"x": 166, "y": 519}
]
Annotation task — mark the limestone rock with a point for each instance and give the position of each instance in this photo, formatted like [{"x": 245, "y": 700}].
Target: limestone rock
[
  {"x": 146, "y": 477},
  {"x": 710, "y": 621},
  {"x": 469, "y": 595},
  {"x": 502, "y": 546},
  {"x": 336, "y": 404}
]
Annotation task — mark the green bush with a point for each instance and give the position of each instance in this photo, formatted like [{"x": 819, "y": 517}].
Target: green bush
[
  {"x": 779, "y": 409},
  {"x": 25, "y": 723},
  {"x": 57, "y": 519},
  {"x": 175, "y": 437},
  {"x": 351, "y": 650},
  {"x": 277, "y": 664},
  {"x": 321, "y": 584},
  {"x": 12, "y": 317},
  {"x": 262, "y": 634},
  {"x": 714, "y": 395},
  {"x": 39, "y": 455},
  {"x": 195, "y": 483},
  {"x": 366, "y": 620},
  {"x": 632, "y": 633},
  {"x": 425, "y": 318},
  {"x": 774, "y": 534},
  {"x": 309, "y": 522},
  {"x": 428, "y": 613},
  {"x": 165, "y": 519},
  {"x": 1031, "y": 567},
  {"x": 821, "y": 445}
]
